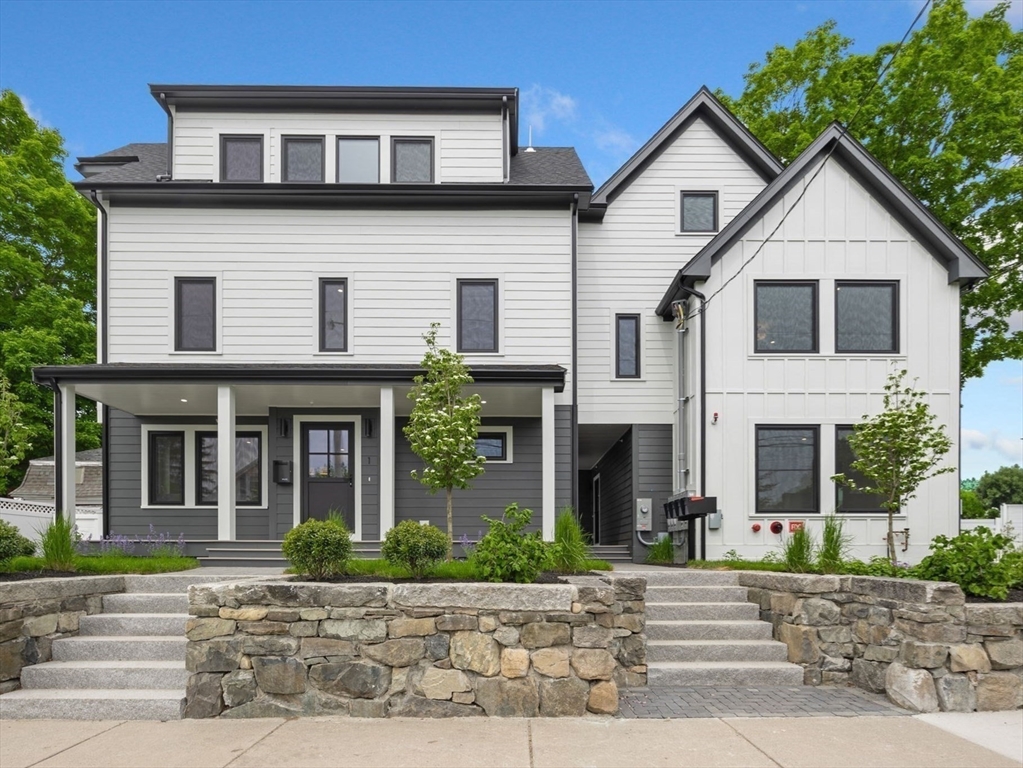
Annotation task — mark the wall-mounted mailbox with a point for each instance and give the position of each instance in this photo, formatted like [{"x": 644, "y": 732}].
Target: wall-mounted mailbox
[{"x": 283, "y": 471}]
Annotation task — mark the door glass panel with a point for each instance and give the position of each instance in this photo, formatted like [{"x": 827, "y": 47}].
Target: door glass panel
[
  {"x": 317, "y": 441},
  {"x": 339, "y": 466},
  {"x": 338, "y": 441}
]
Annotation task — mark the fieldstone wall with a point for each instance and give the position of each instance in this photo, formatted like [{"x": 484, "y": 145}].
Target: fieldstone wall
[
  {"x": 35, "y": 612},
  {"x": 272, "y": 649},
  {"x": 919, "y": 642}
]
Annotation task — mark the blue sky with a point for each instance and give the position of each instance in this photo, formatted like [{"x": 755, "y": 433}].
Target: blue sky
[{"x": 599, "y": 76}]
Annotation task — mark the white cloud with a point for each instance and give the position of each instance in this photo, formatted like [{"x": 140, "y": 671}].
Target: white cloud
[
  {"x": 1006, "y": 447},
  {"x": 33, "y": 112},
  {"x": 1014, "y": 15},
  {"x": 615, "y": 140},
  {"x": 540, "y": 104}
]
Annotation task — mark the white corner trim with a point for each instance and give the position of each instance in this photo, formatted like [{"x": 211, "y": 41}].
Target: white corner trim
[{"x": 296, "y": 438}]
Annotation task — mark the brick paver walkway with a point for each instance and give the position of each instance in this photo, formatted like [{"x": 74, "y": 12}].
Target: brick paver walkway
[{"x": 803, "y": 701}]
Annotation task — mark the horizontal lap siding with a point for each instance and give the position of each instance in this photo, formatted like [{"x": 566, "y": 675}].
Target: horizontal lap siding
[
  {"x": 616, "y": 482},
  {"x": 491, "y": 492},
  {"x": 563, "y": 455},
  {"x": 653, "y": 462}
]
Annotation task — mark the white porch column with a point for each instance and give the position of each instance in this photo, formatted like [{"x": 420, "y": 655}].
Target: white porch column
[
  {"x": 66, "y": 492},
  {"x": 386, "y": 460},
  {"x": 549, "y": 464},
  {"x": 225, "y": 464}
]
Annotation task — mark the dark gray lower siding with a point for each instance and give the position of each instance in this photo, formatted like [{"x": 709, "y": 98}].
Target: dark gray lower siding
[
  {"x": 563, "y": 455},
  {"x": 652, "y": 447},
  {"x": 615, "y": 471}
]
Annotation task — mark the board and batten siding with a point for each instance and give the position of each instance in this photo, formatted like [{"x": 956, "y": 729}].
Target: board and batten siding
[
  {"x": 402, "y": 268},
  {"x": 838, "y": 231},
  {"x": 467, "y": 147},
  {"x": 627, "y": 262}
]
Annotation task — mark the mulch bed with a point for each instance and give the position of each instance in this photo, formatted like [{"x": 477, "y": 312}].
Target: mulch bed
[
  {"x": 358, "y": 578},
  {"x": 27, "y": 575},
  {"x": 1015, "y": 596}
]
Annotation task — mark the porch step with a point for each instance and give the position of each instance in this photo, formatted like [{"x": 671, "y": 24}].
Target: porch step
[
  {"x": 748, "y": 674},
  {"x": 702, "y": 612},
  {"x": 121, "y": 648},
  {"x": 155, "y": 602},
  {"x": 715, "y": 650},
  {"x": 708, "y": 630},
  {"x": 117, "y": 624},
  {"x": 613, "y": 553},
  {"x": 132, "y": 675},
  {"x": 92, "y": 704}
]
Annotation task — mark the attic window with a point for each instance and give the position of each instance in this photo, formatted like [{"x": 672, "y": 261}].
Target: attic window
[
  {"x": 303, "y": 158},
  {"x": 699, "y": 212},
  {"x": 412, "y": 160},
  {"x": 241, "y": 158}
]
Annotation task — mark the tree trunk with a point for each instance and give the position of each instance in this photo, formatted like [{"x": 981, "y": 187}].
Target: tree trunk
[
  {"x": 451, "y": 529},
  {"x": 891, "y": 538}
]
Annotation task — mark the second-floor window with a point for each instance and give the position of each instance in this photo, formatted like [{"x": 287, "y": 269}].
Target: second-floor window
[
  {"x": 627, "y": 346},
  {"x": 241, "y": 158},
  {"x": 786, "y": 316},
  {"x": 333, "y": 315},
  {"x": 195, "y": 314},
  {"x": 411, "y": 160},
  {"x": 477, "y": 316},
  {"x": 699, "y": 212},
  {"x": 358, "y": 160},
  {"x": 302, "y": 158},
  {"x": 866, "y": 316}
]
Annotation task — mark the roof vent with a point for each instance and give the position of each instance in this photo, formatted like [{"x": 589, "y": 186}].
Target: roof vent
[
  {"x": 530, "y": 147},
  {"x": 163, "y": 177}
]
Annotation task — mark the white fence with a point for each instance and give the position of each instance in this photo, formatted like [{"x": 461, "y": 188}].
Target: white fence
[
  {"x": 1009, "y": 520},
  {"x": 32, "y": 517}
]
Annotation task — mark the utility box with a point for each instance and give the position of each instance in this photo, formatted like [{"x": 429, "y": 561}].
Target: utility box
[{"x": 644, "y": 514}]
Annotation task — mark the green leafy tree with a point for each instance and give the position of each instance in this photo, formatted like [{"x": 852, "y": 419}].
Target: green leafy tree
[
  {"x": 1003, "y": 486},
  {"x": 47, "y": 274},
  {"x": 897, "y": 450},
  {"x": 444, "y": 424},
  {"x": 946, "y": 119},
  {"x": 972, "y": 508},
  {"x": 14, "y": 442}
]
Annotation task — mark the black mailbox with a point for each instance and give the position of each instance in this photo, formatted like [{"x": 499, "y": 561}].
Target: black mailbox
[
  {"x": 283, "y": 471},
  {"x": 680, "y": 510}
]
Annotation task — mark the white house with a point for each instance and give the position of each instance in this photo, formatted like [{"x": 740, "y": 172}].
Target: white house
[{"x": 267, "y": 274}]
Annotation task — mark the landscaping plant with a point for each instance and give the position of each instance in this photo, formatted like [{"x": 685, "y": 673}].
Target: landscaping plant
[
  {"x": 896, "y": 450},
  {"x": 569, "y": 550},
  {"x": 444, "y": 424},
  {"x": 418, "y": 547},
  {"x": 834, "y": 546},
  {"x": 319, "y": 548},
  {"x": 58, "y": 540},
  {"x": 507, "y": 553},
  {"x": 797, "y": 551},
  {"x": 13, "y": 544},
  {"x": 663, "y": 551},
  {"x": 980, "y": 561}
]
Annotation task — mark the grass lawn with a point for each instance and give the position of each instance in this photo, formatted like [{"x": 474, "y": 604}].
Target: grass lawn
[
  {"x": 738, "y": 565},
  {"x": 106, "y": 564}
]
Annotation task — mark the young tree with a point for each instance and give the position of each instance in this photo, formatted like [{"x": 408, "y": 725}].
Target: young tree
[
  {"x": 1003, "y": 486},
  {"x": 443, "y": 426},
  {"x": 946, "y": 119},
  {"x": 14, "y": 442},
  {"x": 897, "y": 450}
]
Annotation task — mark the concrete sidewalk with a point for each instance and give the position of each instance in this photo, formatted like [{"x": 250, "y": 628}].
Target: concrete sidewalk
[{"x": 813, "y": 742}]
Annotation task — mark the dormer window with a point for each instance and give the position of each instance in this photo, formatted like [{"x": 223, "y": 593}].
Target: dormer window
[
  {"x": 412, "y": 160},
  {"x": 303, "y": 158},
  {"x": 358, "y": 160},
  {"x": 241, "y": 158}
]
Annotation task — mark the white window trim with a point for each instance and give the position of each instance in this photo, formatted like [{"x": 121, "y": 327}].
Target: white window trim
[
  {"x": 218, "y": 309},
  {"x": 508, "y": 443},
  {"x": 612, "y": 314},
  {"x": 699, "y": 186},
  {"x": 349, "y": 319},
  {"x": 189, "y": 431},
  {"x": 499, "y": 277},
  {"x": 296, "y": 431}
]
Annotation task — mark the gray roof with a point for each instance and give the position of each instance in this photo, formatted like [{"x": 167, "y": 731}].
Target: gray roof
[
  {"x": 548, "y": 165},
  {"x": 152, "y": 162},
  {"x": 93, "y": 454}
]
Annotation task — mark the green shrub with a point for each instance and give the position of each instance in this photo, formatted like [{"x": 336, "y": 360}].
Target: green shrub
[
  {"x": 320, "y": 548},
  {"x": 505, "y": 553},
  {"x": 834, "y": 547},
  {"x": 797, "y": 551},
  {"x": 569, "y": 551},
  {"x": 983, "y": 563},
  {"x": 58, "y": 542},
  {"x": 415, "y": 546},
  {"x": 663, "y": 551},
  {"x": 876, "y": 566},
  {"x": 972, "y": 508},
  {"x": 13, "y": 544}
]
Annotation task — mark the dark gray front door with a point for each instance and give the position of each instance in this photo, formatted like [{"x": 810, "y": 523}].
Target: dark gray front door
[{"x": 328, "y": 471}]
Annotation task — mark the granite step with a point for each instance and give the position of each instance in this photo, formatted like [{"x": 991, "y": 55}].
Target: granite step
[
  {"x": 164, "y": 583},
  {"x": 708, "y": 630},
  {"x": 702, "y": 612},
  {"x": 152, "y": 602},
  {"x": 92, "y": 704},
  {"x": 119, "y": 624},
  {"x": 715, "y": 650},
  {"x": 701, "y": 594},
  {"x": 723, "y": 673},
  {"x": 106, "y": 674},
  {"x": 682, "y": 577},
  {"x": 122, "y": 648}
]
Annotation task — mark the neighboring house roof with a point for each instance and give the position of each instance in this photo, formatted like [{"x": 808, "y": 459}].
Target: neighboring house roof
[
  {"x": 39, "y": 483},
  {"x": 702, "y": 105},
  {"x": 93, "y": 455}
]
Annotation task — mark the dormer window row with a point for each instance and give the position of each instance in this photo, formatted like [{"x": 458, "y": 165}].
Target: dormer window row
[{"x": 303, "y": 159}]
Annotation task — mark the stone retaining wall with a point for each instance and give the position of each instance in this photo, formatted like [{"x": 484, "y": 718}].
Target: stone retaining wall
[
  {"x": 35, "y": 612},
  {"x": 917, "y": 641},
  {"x": 272, "y": 649}
]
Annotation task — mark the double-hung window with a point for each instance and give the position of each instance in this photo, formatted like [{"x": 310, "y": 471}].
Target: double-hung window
[
  {"x": 477, "y": 315},
  {"x": 302, "y": 158},
  {"x": 699, "y": 212},
  {"x": 786, "y": 468},
  {"x": 241, "y": 158},
  {"x": 411, "y": 160},
  {"x": 333, "y": 315},
  {"x": 866, "y": 316},
  {"x": 627, "y": 346},
  {"x": 785, "y": 316},
  {"x": 166, "y": 468},
  {"x": 847, "y": 499},
  {"x": 248, "y": 468},
  {"x": 195, "y": 314},
  {"x": 358, "y": 160}
]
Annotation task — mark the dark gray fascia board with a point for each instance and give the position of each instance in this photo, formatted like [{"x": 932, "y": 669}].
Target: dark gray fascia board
[
  {"x": 228, "y": 373},
  {"x": 670, "y": 296},
  {"x": 90, "y": 166},
  {"x": 963, "y": 266},
  {"x": 702, "y": 104},
  {"x": 342, "y": 98}
]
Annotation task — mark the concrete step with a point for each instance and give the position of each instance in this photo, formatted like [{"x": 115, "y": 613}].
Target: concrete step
[
  {"x": 705, "y": 594},
  {"x": 702, "y": 612},
  {"x": 122, "y": 648},
  {"x": 91, "y": 704},
  {"x": 685, "y": 577},
  {"x": 723, "y": 673},
  {"x": 715, "y": 650},
  {"x": 708, "y": 630},
  {"x": 117, "y": 624},
  {"x": 131, "y": 602},
  {"x": 106, "y": 674},
  {"x": 164, "y": 583},
  {"x": 245, "y": 561}
]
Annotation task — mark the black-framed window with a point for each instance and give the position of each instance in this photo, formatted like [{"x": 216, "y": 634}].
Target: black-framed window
[
  {"x": 698, "y": 212},
  {"x": 333, "y": 314},
  {"x": 627, "y": 346},
  {"x": 492, "y": 445},
  {"x": 167, "y": 468},
  {"x": 785, "y": 316},
  {"x": 302, "y": 158},
  {"x": 195, "y": 314},
  {"x": 477, "y": 316},
  {"x": 248, "y": 468},
  {"x": 358, "y": 160},
  {"x": 866, "y": 316},
  {"x": 787, "y": 464},
  {"x": 846, "y": 499},
  {"x": 241, "y": 158},
  {"x": 411, "y": 160}
]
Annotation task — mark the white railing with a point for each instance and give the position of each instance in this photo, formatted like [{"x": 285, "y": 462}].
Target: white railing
[{"x": 32, "y": 517}]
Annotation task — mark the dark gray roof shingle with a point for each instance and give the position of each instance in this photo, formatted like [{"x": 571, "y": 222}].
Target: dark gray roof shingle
[{"x": 152, "y": 161}]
